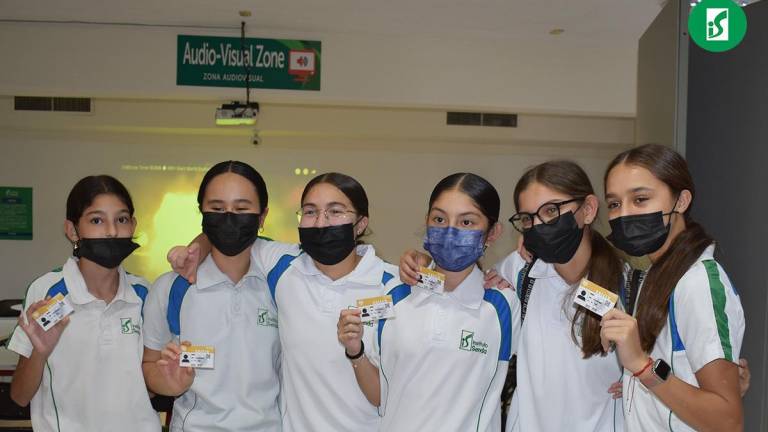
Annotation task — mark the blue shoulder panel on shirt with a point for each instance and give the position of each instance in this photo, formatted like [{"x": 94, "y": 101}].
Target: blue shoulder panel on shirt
[
  {"x": 398, "y": 293},
  {"x": 277, "y": 271},
  {"x": 504, "y": 314},
  {"x": 175, "y": 298},
  {"x": 58, "y": 288},
  {"x": 142, "y": 292},
  {"x": 386, "y": 277}
]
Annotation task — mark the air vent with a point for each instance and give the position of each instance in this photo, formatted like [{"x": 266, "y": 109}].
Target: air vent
[
  {"x": 44, "y": 103},
  {"x": 72, "y": 104},
  {"x": 481, "y": 119},
  {"x": 31, "y": 103},
  {"x": 500, "y": 120},
  {"x": 464, "y": 118}
]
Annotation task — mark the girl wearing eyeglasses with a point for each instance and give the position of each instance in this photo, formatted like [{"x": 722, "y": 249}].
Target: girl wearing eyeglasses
[
  {"x": 563, "y": 372},
  {"x": 310, "y": 284}
]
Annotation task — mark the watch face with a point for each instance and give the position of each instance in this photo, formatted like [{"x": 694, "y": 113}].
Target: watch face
[{"x": 661, "y": 369}]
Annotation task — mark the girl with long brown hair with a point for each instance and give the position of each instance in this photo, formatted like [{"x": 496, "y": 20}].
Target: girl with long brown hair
[
  {"x": 680, "y": 349},
  {"x": 563, "y": 372}
]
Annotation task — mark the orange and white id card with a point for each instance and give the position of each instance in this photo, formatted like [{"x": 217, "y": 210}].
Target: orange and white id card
[
  {"x": 431, "y": 280},
  {"x": 197, "y": 356},
  {"x": 53, "y": 311},
  {"x": 594, "y": 297},
  {"x": 376, "y": 308}
]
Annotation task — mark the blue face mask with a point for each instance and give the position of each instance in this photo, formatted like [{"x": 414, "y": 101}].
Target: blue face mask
[{"x": 454, "y": 249}]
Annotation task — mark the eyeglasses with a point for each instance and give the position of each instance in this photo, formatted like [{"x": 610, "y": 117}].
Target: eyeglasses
[
  {"x": 334, "y": 215},
  {"x": 548, "y": 213}
]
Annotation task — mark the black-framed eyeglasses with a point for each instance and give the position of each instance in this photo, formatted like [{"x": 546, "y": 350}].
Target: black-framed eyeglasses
[{"x": 548, "y": 213}]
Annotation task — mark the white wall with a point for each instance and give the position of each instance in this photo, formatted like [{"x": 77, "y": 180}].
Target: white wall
[
  {"x": 539, "y": 74},
  {"x": 397, "y": 154}
]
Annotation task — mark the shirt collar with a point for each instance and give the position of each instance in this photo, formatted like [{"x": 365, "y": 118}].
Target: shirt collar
[
  {"x": 78, "y": 291},
  {"x": 468, "y": 293},
  {"x": 367, "y": 272},
  {"x": 543, "y": 270},
  {"x": 209, "y": 274}
]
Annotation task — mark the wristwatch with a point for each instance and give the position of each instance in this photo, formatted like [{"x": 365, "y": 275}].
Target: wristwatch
[{"x": 660, "y": 370}]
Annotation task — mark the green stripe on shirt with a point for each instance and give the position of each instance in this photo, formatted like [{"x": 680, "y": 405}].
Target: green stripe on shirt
[{"x": 717, "y": 290}]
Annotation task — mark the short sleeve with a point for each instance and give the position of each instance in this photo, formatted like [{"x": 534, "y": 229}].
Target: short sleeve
[
  {"x": 19, "y": 342},
  {"x": 708, "y": 315},
  {"x": 156, "y": 331},
  {"x": 509, "y": 268},
  {"x": 266, "y": 254}
]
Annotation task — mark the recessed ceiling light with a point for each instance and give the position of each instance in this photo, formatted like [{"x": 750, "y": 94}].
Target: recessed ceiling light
[
  {"x": 557, "y": 31},
  {"x": 244, "y": 13}
]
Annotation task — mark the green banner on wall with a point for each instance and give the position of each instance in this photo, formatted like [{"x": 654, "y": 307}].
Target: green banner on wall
[
  {"x": 213, "y": 61},
  {"x": 15, "y": 213}
]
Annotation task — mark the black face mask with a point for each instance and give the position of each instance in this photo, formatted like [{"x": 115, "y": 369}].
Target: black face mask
[
  {"x": 231, "y": 233},
  {"x": 328, "y": 245},
  {"x": 639, "y": 235},
  {"x": 106, "y": 252},
  {"x": 555, "y": 243}
]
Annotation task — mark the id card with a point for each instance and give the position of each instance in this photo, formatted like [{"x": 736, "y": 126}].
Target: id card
[
  {"x": 197, "y": 356},
  {"x": 53, "y": 311},
  {"x": 594, "y": 297},
  {"x": 376, "y": 308},
  {"x": 431, "y": 280}
]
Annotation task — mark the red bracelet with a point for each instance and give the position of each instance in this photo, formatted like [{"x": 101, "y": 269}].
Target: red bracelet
[{"x": 647, "y": 365}]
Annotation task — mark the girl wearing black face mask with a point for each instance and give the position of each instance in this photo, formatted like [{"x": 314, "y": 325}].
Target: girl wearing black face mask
[
  {"x": 679, "y": 351},
  {"x": 229, "y": 308},
  {"x": 560, "y": 362},
  {"x": 310, "y": 283},
  {"x": 100, "y": 225}
]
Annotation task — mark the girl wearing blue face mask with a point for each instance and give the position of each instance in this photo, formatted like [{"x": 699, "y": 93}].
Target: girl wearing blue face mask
[
  {"x": 563, "y": 374},
  {"x": 441, "y": 361}
]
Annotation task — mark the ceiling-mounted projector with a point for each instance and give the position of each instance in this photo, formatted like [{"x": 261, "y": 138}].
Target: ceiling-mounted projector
[{"x": 236, "y": 113}]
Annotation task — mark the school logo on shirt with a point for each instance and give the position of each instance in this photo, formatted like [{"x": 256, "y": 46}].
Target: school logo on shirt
[
  {"x": 128, "y": 327},
  {"x": 263, "y": 318},
  {"x": 469, "y": 343}
]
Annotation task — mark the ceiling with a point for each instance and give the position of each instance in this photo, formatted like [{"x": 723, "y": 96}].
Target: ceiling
[{"x": 607, "y": 20}]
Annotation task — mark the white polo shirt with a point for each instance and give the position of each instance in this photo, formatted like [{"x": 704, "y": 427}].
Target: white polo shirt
[
  {"x": 319, "y": 388},
  {"x": 557, "y": 389},
  {"x": 92, "y": 380},
  {"x": 240, "y": 321},
  {"x": 443, "y": 358},
  {"x": 705, "y": 322}
]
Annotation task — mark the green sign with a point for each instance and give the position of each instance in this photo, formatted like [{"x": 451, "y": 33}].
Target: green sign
[
  {"x": 717, "y": 25},
  {"x": 15, "y": 213},
  {"x": 213, "y": 61}
]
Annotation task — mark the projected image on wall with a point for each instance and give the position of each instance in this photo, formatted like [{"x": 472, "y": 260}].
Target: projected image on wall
[{"x": 165, "y": 198}]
